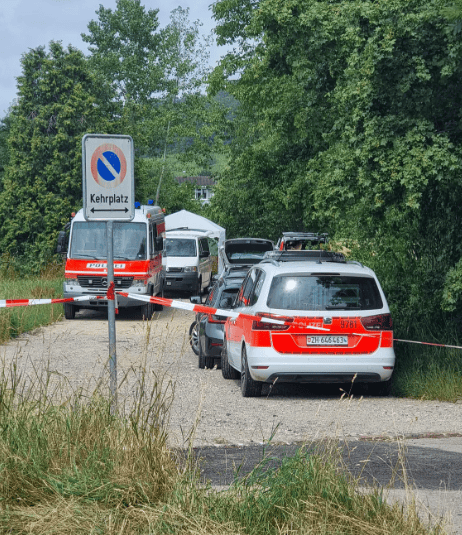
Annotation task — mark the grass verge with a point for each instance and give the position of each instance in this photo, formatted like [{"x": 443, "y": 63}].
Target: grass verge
[
  {"x": 17, "y": 320},
  {"x": 68, "y": 465}
]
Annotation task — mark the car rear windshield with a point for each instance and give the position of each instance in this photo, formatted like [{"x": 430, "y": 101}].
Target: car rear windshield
[{"x": 324, "y": 292}]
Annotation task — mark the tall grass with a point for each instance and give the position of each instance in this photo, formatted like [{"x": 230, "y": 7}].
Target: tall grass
[
  {"x": 70, "y": 466},
  {"x": 425, "y": 372},
  {"x": 17, "y": 320}
]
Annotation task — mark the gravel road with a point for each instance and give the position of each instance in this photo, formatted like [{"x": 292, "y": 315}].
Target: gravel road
[
  {"x": 210, "y": 413},
  {"x": 207, "y": 407}
]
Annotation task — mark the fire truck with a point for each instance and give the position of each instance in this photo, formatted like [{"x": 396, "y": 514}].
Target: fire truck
[{"x": 138, "y": 246}]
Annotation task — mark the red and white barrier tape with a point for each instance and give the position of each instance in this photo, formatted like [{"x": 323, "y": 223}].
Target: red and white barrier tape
[
  {"x": 7, "y": 303},
  {"x": 111, "y": 295},
  {"x": 212, "y": 311},
  {"x": 427, "y": 343}
]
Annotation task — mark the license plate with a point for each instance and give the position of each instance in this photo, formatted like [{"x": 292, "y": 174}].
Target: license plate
[
  {"x": 169, "y": 283},
  {"x": 327, "y": 340}
]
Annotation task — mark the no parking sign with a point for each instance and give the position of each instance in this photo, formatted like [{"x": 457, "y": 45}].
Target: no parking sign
[{"x": 108, "y": 177}]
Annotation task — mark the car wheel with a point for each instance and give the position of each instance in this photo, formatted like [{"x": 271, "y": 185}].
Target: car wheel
[
  {"x": 146, "y": 311},
  {"x": 199, "y": 287},
  {"x": 380, "y": 389},
  {"x": 69, "y": 311},
  {"x": 201, "y": 356},
  {"x": 249, "y": 387},
  {"x": 158, "y": 307},
  {"x": 227, "y": 370},
  {"x": 194, "y": 337}
]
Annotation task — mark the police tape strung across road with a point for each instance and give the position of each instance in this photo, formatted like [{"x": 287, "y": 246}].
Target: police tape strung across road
[
  {"x": 111, "y": 295},
  {"x": 212, "y": 311},
  {"x": 7, "y": 303}
]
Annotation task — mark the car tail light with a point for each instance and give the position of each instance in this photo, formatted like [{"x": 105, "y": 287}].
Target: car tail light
[
  {"x": 217, "y": 319},
  {"x": 382, "y": 322},
  {"x": 268, "y": 326}
]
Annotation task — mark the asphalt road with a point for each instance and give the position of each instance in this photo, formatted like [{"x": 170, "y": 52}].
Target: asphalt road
[{"x": 431, "y": 467}]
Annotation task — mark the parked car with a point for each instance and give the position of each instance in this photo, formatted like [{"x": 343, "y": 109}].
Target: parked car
[
  {"x": 244, "y": 251},
  {"x": 337, "y": 329},
  {"x": 206, "y": 332},
  {"x": 186, "y": 261}
]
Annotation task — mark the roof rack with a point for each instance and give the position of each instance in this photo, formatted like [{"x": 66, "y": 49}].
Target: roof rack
[
  {"x": 313, "y": 236},
  {"x": 304, "y": 256}
]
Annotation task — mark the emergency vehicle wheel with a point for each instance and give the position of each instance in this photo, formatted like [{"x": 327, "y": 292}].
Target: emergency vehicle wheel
[
  {"x": 379, "y": 389},
  {"x": 227, "y": 370},
  {"x": 69, "y": 311},
  {"x": 249, "y": 387},
  {"x": 147, "y": 311},
  {"x": 156, "y": 305}
]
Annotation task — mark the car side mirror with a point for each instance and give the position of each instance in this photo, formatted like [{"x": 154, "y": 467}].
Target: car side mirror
[
  {"x": 196, "y": 300},
  {"x": 63, "y": 241},
  {"x": 159, "y": 241}
]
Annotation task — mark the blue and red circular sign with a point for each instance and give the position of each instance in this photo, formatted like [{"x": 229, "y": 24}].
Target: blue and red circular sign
[{"x": 108, "y": 166}]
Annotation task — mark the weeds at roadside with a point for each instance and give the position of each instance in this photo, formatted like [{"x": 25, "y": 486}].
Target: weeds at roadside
[{"x": 67, "y": 465}]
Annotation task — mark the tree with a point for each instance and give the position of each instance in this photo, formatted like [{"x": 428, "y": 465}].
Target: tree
[
  {"x": 158, "y": 75},
  {"x": 354, "y": 125},
  {"x": 125, "y": 47},
  {"x": 59, "y": 101}
]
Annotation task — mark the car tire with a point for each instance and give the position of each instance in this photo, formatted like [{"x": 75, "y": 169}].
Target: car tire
[
  {"x": 69, "y": 311},
  {"x": 158, "y": 307},
  {"x": 249, "y": 387},
  {"x": 199, "y": 287},
  {"x": 227, "y": 370},
  {"x": 200, "y": 356},
  {"x": 194, "y": 337},
  {"x": 382, "y": 389},
  {"x": 147, "y": 311}
]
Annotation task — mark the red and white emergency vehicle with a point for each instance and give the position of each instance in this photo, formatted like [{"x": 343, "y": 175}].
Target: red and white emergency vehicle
[{"x": 138, "y": 246}]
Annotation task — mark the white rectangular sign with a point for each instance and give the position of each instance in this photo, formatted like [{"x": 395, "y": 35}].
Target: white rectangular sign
[{"x": 108, "y": 177}]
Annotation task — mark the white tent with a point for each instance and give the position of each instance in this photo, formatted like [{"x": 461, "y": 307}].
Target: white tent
[{"x": 185, "y": 219}]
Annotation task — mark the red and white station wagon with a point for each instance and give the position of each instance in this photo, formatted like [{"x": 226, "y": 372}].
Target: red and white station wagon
[{"x": 337, "y": 329}]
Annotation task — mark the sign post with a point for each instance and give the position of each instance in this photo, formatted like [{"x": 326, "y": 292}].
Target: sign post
[{"x": 108, "y": 195}]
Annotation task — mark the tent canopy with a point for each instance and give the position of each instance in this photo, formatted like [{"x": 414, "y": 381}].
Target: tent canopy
[{"x": 183, "y": 219}]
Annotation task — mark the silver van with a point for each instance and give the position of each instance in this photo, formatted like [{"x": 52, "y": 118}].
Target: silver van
[{"x": 186, "y": 261}]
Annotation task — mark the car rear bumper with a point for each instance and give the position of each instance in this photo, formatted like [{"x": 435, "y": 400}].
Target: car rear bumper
[{"x": 320, "y": 368}]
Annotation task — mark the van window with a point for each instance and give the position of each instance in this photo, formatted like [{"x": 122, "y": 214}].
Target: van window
[
  {"x": 180, "y": 247},
  {"x": 324, "y": 292},
  {"x": 204, "y": 245}
]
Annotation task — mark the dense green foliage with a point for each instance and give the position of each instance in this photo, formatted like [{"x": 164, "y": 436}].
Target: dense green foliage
[
  {"x": 154, "y": 94},
  {"x": 350, "y": 122},
  {"x": 59, "y": 101}
]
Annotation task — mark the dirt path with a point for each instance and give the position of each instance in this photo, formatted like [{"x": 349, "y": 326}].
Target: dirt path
[{"x": 77, "y": 350}]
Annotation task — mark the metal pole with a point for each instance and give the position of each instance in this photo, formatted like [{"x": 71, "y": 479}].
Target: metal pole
[{"x": 111, "y": 317}]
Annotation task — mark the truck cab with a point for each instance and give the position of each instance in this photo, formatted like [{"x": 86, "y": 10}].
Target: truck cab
[{"x": 138, "y": 246}]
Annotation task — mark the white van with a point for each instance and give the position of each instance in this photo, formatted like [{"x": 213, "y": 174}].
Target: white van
[{"x": 186, "y": 261}]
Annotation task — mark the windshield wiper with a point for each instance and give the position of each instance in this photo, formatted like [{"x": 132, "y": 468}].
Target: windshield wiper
[
  {"x": 82, "y": 255},
  {"x": 342, "y": 307}
]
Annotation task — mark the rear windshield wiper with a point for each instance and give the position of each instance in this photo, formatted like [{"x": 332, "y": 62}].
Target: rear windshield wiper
[{"x": 342, "y": 307}]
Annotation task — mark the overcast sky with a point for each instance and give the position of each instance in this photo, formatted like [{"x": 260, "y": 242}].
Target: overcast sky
[{"x": 27, "y": 24}]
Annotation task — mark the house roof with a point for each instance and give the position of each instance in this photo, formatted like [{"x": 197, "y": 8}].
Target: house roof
[{"x": 197, "y": 180}]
